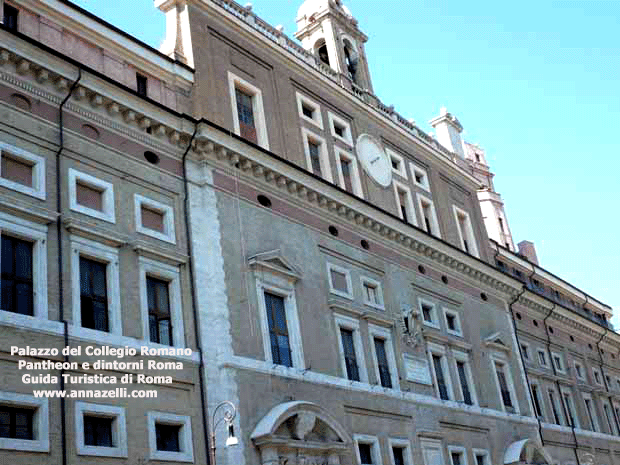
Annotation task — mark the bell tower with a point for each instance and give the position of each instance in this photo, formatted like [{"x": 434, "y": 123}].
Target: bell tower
[{"x": 328, "y": 29}]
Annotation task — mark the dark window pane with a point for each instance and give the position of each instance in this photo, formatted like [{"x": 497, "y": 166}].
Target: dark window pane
[
  {"x": 168, "y": 437},
  {"x": 384, "y": 368},
  {"x": 399, "y": 458},
  {"x": 94, "y": 300},
  {"x": 464, "y": 383},
  {"x": 10, "y": 17},
  {"x": 245, "y": 114},
  {"x": 98, "y": 431},
  {"x": 16, "y": 423},
  {"x": 350, "y": 359},
  {"x": 365, "y": 453},
  {"x": 503, "y": 385},
  {"x": 158, "y": 300},
  {"x": 441, "y": 381},
  {"x": 456, "y": 458},
  {"x": 278, "y": 330},
  {"x": 315, "y": 157},
  {"x": 16, "y": 278}
]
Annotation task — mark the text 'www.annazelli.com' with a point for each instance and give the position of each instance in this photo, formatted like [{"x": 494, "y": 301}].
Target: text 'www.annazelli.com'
[{"x": 117, "y": 393}]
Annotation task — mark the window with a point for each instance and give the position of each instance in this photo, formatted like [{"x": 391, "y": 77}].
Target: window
[
  {"x": 537, "y": 402},
  {"x": 542, "y": 358},
  {"x": 429, "y": 314},
  {"x": 316, "y": 155},
  {"x": 100, "y": 430},
  {"x": 91, "y": 196},
  {"x": 609, "y": 417},
  {"x": 248, "y": 113},
  {"x": 453, "y": 323},
  {"x": 321, "y": 51},
  {"x": 570, "y": 409},
  {"x": 400, "y": 452},
  {"x": 383, "y": 356},
  {"x": 350, "y": 348},
  {"x": 23, "y": 422},
  {"x": 557, "y": 362},
  {"x": 555, "y": 407},
  {"x": 597, "y": 376},
  {"x": 339, "y": 281},
  {"x": 141, "y": 85},
  {"x": 348, "y": 173},
  {"x": 10, "y": 17},
  {"x": 439, "y": 364},
  {"x": 20, "y": 170},
  {"x": 505, "y": 387},
  {"x": 278, "y": 330},
  {"x": 465, "y": 378},
  {"x": 466, "y": 232},
  {"x": 170, "y": 437},
  {"x": 160, "y": 326},
  {"x": 404, "y": 203},
  {"x": 420, "y": 177},
  {"x": 309, "y": 110},
  {"x": 429, "y": 216},
  {"x": 367, "y": 450},
  {"x": 587, "y": 399},
  {"x": 17, "y": 275},
  {"x": 340, "y": 129},
  {"x": 373, "y": 294},
  {"x": 482, "y": 457},
  {"x": 398, "y": 163},
  {"x": 525, "y": 351},
  {"x": 96, "y": 297},
  {"x": 579, "y": 372},
  {"x": 154, "y": 219},
  {"x": 457, "y": 455}
]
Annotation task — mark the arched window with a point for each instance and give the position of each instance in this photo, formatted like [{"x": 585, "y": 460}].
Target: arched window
[{"x": 351, "y": 60}]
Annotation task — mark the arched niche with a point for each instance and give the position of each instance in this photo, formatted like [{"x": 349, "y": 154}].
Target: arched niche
[
  {"x": 527, "y": 452},
  {"x": 300, "y": 433}
]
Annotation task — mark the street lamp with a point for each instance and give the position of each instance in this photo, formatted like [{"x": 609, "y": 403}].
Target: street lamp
[{"x": 228, "y": 416}]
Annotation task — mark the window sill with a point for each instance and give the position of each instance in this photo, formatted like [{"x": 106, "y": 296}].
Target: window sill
[{"x": 41, "y": 445}]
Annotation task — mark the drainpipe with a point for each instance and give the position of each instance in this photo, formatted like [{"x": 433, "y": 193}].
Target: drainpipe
[
  {"x": 61, "y": 307},
  {"x": 188, "y": 231}
]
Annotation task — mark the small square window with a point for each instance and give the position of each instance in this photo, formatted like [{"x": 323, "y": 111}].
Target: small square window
[
  {"x": 367, "y": 452},
  {"x": 542, "y": 358},
  {"x": 339, "y": 281},
  {"x": 309, "y": 110},
  {"x": 340, "y": 129},
  {"x": 453, "y": 323},
  {"x": 398, "y": 163},
  {"x": 100, "y": 430},
  {"x": 373, "y": 295},
  {"x": 482, "y": 457},
  {"x": 22, "y": 171},
  {"x": 457, "y": 456},
  {"x": 429, "y": 316},
  {"x": 141, "y": 85},
  {"x": 167, "y": 437},
  {"x": 23, "y": 422},
  {"x": 154, "y": 219},
  {"x": 10, "y": 17},
  {"x": 91, "y": 196},
  {"x": 420, "y": 177},
  {"x": 400, "y": 451},
  {"x": 170, "y": 437}
]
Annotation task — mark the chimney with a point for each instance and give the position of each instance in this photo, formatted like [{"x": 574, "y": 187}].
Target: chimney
[
  {"x": 528, "y": 250},
  {"x": 448, "y": 130}
]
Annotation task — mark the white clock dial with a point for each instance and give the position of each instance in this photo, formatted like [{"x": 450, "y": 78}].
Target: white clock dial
[{"x": 374, "y": 160}]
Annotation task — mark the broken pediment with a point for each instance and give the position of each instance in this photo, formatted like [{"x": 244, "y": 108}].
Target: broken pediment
[{"x": 275, "y": 263}]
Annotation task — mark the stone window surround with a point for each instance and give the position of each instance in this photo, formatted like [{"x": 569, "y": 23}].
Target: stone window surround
[
  {"x": 460, "y": 450},
  {"x": 545, "y": 358},
  {"x": 81, "y": 247},
  {"x": 422, "y": 199},
  {"x": 375, "y": 448},
  {"x": 570, "y": 408},
  {"x": 435, "y": 320},
  {"x": 415, "y": 169},
  {"x": 347, "y": 273},
  {"x": 411, "y": 213},
  {"x": 348, "y": 137},
  {"x": 40, "y": 422},
  {"x": 526, "y": 351},
  {"x": 561, "y": 368},
  {"x": 355, "y": 174},
  {"x": 172, "y": 275},
  {"x": 402, "y": 169},
  {"x": 37, "y": 233},
  {"x": 436, "y": 349},
  {"x": 185, "y": 437},
  {"x": 119, "y": 429},
  {"x": 38, "y": 171},
  {"x": 107, "y": 188},
  {"x": 597, "y": 379},
  {"x": 168, "y": 218},
  {"x": 326, "y": 169},
  {"x": 541, "y": 399},
  {"x": 557, "y": 405},
  {"x": 481, "y": 452},
  {"x": 403, "y": 444},
  {"x": 593, "y": 412},
  {"x": 380, "y": 305},
  {"x": 468, "y": 233},
  {"x": 316, "y": 108},
  {"x": 460, "y": 356},
  {"x": 385, "y": 334},
  {"x": 235, "y": 82},
  {"x": 457, "y": 318},
  {"x": 498, "y": 358},
  {"x": 351, "y": 324}
]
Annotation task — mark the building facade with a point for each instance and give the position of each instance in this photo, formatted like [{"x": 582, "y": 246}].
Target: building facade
[{"x": 332, "y": 268}]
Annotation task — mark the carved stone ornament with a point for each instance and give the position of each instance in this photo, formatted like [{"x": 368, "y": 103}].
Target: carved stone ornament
[
  {"x": 411, "y": 328},
  {"x": 304, "y": 423}
]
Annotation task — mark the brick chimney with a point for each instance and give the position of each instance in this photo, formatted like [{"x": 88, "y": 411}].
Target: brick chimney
[{"x": 528, "y": 250}]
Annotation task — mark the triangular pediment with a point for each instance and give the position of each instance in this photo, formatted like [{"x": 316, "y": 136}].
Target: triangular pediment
[
  {"x": 496, "y": 341},
  {"x": 274, "y": 262}
]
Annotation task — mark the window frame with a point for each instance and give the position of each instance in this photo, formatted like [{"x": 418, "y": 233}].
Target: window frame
[
  {"x": 458, "y": 449},
  {"x": 332, "y": 267},
  {"x": 356, "y": 179},
  {"x": 582, "y": 376},
  {"x": 380, "y": 305},
  {"x": 448, "y": 311},
  {"x": 441, "y": 351},
  {"x": 401, "y": 444},
  {"x": 541, "y": 400},
  {"x": 185, "y": 437},
  {"x": 40, "y": 422},
  {"x": 595, "y": 372},
  {"x": 468, "y": 234},
  {"x": 169, "y": 234},
  {"x": 481, "y": 452},
  {"x": 378, "y": 332},
  {"x": 107, "y": 196},
  {"x": 234, "y": 83},
  {"x": 561, "y": 368},
  {"x": 119, "y": 429},
  {"x": 409, "y": 207},
  {"x": 425, "y": 185},
  {"x": 435, "y": 320},
  {"x": 110, "y": 256},
  {"x": 591, "y": 414},
  {"x": 351, "y": 324},
  {"x": 525, "y": 351},
  {"x": 435, "y": 229},
  {"x": 348, "y": 137},
  {"x": 171, "y": 274},
  {"x": 495, "y": 359},
  {"x": 375, "y": 449},
  {"x": 544, "y": 353},
  {"x": 571, "y": 409},
  {"x": 316, "y": 108},
  {"x": 556, "y": 407},
  {"x": 402, "y": 170},
  {"x": 287, "y": 292},
  {"x": 459, "y": 356},
  {"x": 38, "y": 171},
  {"x": 326, "y": 170},
  {"x": 36, "y": 233},
  {"x": 611, "y": 421}
]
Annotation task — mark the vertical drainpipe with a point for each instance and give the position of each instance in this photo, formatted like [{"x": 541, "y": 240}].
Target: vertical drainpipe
[
  {"x": 61, "y": 309},
  {"x": 188, "y": 233}
]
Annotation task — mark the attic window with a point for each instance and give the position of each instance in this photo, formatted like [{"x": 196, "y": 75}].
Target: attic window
[
  {"x": 10, "y": 17},
  {"x": 141, "y": 85}
]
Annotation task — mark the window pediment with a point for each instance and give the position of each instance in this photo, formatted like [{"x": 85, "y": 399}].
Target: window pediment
[
  {"x": 273, "y": 262},
  {"x": 496, "y": 341}
]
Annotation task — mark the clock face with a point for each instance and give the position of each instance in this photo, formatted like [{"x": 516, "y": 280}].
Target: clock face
[{"x": 374, "y": 160}]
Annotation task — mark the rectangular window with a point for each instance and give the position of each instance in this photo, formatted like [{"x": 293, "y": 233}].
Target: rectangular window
[
  {"x": 457, "y": 457},
  {"x": 557, "y": 362},
  {"x": 309, "y": 110},
  {"x": 339, "y": 281},
  {"x": 278, "y": 330},
  {"x": 382, "y": 362},
  {"x": 170, "y": 437},
  {"x": 555, "y": 408},
  {"x": 167, "y": 437},
  {"x": 570, "y": 409},
  {"x": 429, "y": 315},
  {"x": 398, "y": 163},
  {"x": 579, "y": 370},
  {"x": 525, "y": 350},
  {"x": 591, "y": 415},
  {"x": 373, "y": 295},
  {"x": 609, "y": 416},
  {"x": 10, "y": 17},
  {"x": 91, "y": 196},
  {"x": 98, "y": 431},
  {"x": 482, "y": 457},
  {"x": 316, "y": 155},
  {"x": 345, "y": 166},
  {"x": 16, "y": 422},
  {"x": 93, "y": 294},
  {"x": 440, "y": 377},
  {"x": 160, "y": 324},
  {"x": 340, "y": 129},
  {"x": 17, "y": 170},
  {"x": 350, "y": 359},
  {"x": 537, "y": 402},
  {"x": 245, "y": 113},
  {"x": 466, "y": 232},
  {"x": 154, "y": 219},
  {"x": 542, "y": 358},
  {"x": 597, "y": 376},
  {"x": 22, "y": 171},
  {"x": 429, "y": 216},
  {"x": 141, "y": 85},
  {"x": 506, "y": 395},
  {"x": 464, "y": 382},
  {"x": 398, "y": 453},
  {"x": 17, "y": 275},
  {"x": 247, "y": 108},
  {"x": 453, "y": 323},
  {"x": 420, "y": 177},
  {"x": 404, "y": 203},
  {"x": 365, "y": 452},
  {"x": 348, "y": 174}
]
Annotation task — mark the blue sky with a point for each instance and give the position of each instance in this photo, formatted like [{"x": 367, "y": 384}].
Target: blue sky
[{"x": 536, "y": 85}]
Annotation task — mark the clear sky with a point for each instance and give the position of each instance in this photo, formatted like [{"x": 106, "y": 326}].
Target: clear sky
[{"x": 537, "y": 85}]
